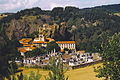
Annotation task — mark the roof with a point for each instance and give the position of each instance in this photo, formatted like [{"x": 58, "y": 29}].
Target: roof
[
  {"x": 39, "y": 42},
  {"x": 36, "y": 39},
  {"x": 25, "y": 49},
  {"x": 45, "y": 60},
  {"x": 50, "y": 39},
  {"x": 45, "y": 24},
  {"x": 62, "y": 50},
  {"x": 66, "y": 56},
  {"x": 22, "y": 50},
  {"x": 25, "y": 40},
  {"x": 29, "y": 45},
  {"x": 62, "y": 23},
  {"x": 81, "y": 52},
  {"x": 23, "y": 43},
  {"x": 65, "y": 42},
  {"x": 32, "y": 48}
]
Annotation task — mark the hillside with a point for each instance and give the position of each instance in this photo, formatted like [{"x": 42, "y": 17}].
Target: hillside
[
  {"x": 76, "y": 74},
  {"x": 112, "y": 8},
  {"x": 85, "y": 26}
]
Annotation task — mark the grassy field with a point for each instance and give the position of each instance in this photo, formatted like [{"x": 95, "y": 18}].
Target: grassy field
[{"x": 86, "y": 73}]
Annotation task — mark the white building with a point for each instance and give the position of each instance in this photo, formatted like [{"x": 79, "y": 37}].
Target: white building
[
  {"x": 67, "y": 44},
  {"x": 42, "y": 41}
]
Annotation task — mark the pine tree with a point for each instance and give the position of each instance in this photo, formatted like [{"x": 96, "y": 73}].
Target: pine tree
[{"x": 111, "y": 59}]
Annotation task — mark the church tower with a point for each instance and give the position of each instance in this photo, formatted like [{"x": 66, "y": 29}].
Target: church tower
[{"x": 41, "y": 36}]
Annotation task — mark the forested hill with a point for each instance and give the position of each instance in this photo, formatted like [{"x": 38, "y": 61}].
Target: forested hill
[
  {"x": 86, "y": 26},
  {"x": 113, "y": 8}
]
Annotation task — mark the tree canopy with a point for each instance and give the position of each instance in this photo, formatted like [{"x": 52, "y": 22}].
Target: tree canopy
[
  {"x": 36, "y": 52},
  {"x": 52, "y": 46},
  {"x": 110, "y": 52}
]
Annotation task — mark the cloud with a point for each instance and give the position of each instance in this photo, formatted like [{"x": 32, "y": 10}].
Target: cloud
[
  {"x": 11, "y": 5},
  {"x": 16, "y": 5}
]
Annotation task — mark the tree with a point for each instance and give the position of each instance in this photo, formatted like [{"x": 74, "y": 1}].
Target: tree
[
  {"x": 66, "y": 49},
  {"x": 8, "y": 52},
  {"x": 57, "y": 69},
  {"x": 34, "y": 34},
  {"x": 110, "y": 52},
  {"x": 32, "y": 76},
  {"x": 36, "y": 52},
  {"x": 52, "y": 45}
]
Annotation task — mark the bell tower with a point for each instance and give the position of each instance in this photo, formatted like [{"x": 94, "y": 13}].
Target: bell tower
[{"x": 41, "y": 36}]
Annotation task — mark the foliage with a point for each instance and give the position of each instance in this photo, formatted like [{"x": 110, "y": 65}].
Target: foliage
[
  {"x": 34, "y": 34},
  {"x": 57, "y": 70},
  {"x": 12, "y": 68},
  {"x": 21, "y": 76},
  {"x": 52, "y": 45},
  {"x": 36, "y": 52},
  {"x": 31, "y": 76},
  {"x": 8, "y": 52},
  {"x": 66, "y": 49},
  {"x": 112, "y": 8},
  {"x": 90, "y": 23},
  {"x": 110, "y": 52}
]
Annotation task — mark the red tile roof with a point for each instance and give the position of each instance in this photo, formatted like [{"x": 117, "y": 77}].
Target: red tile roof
[
  {"x": 22, "y": 50},
  {"x": 29, "y": 45},
  {"x": 25, "y": 49},
  {"x": 50, "y": 39},
  {"x": 65, "y": 42},
  {"x": 25, "y": 40},
  {"x": 32, "y": 48},
  {"x": 39, "y": 42}
]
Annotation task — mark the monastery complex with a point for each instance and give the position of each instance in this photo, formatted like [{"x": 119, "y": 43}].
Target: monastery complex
[{"x": 30, "y": 44}]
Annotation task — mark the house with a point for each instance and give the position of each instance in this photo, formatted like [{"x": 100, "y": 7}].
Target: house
[
  {"x": 40, "y": 43},
  {"x": 66, "y": 58},
  {"x": 25, "y": 40},
  {"x": 40, "y": 38},
  {"x": 67, "y": 44},
  {"x": 23, "y": 50},
  {"x": 72, "y": 63},
  {"x": 96, "y": 56},
  {"x": 84, "y": 57},
  {"x": 45, "y": 62}
]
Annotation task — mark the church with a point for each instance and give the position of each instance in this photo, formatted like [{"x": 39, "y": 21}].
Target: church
[{"x": 42, "y": 41}]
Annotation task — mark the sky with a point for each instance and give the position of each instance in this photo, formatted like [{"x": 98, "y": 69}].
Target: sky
[{"x": 17, "y": 5}]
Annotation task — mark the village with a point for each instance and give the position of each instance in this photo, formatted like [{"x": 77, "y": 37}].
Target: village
[{"x": 71, "y": 58}]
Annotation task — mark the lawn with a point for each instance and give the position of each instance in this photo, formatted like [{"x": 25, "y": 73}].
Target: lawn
[{"x": 86, "y": 73}]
